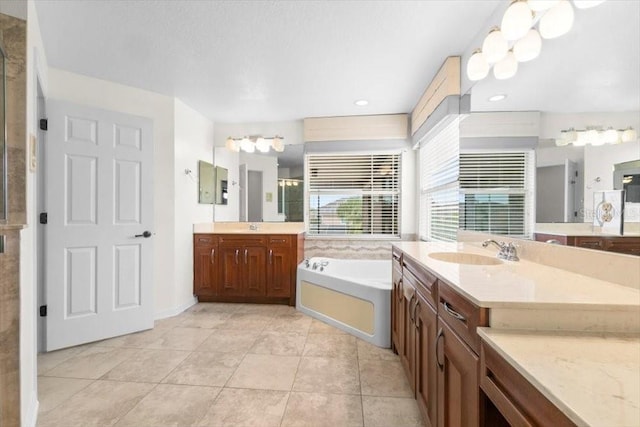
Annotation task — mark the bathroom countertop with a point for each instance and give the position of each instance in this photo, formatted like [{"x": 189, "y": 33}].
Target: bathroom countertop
[
  {"x": 521, "y": 284},
  {"x": 593, "y": 379},
  {"x": 243, "y": 228}
]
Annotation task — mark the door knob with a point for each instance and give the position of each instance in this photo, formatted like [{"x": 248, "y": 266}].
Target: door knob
[{"x": 145, "y": 234}]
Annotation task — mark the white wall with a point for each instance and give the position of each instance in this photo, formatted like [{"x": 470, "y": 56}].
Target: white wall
[
  {"x": 193, "y": 141},
  {"x": 230, "y": 161},
  {"x": 36, "y": 68},
  {"x": 111, "y": 96}
]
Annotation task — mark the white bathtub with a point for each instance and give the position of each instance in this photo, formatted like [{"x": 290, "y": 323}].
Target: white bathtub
[{"x": 352, "y": 295}]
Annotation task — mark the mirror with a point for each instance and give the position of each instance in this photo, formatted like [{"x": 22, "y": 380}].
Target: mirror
[
  {"x": 587, "y": 77},
  {"x": 206, "y": 177},
  {"x": 222, "y": 183},
  {"x": 3, "y": 142}
]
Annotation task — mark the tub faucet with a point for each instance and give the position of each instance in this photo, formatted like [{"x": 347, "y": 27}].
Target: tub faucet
[
  {"x": 323, "y": 264},
  {"x": 507, "y": 252},
  {"x": 306, "y": 262}
]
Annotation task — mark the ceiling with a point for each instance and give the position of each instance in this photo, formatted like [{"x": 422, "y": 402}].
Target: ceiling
[
  {"x": 256, "y": 61},
  {"x": 265, "y": 61}
]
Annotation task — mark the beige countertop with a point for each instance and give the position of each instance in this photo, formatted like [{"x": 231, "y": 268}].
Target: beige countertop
[
  {"x": 520, "y": 284},
  {"x": 244, "y": 228},
  {"x": 593, "y": 379}
]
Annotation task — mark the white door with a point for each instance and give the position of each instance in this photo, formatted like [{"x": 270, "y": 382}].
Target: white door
[
  {"x": 570, "y": 180},
  {"x": 99, "y": 200}
]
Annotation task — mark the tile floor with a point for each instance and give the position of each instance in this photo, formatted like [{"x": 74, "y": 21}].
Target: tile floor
[{"x": 227, "y": 365}]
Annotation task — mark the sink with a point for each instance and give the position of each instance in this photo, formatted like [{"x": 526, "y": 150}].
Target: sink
[{"x": 465, "y": 258}]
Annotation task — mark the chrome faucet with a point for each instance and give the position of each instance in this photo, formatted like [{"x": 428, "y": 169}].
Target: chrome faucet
[
  {"x": 253, "y": 226},
  {"x": 507, "y": 252},
  {"x": 306, "y": 262}
]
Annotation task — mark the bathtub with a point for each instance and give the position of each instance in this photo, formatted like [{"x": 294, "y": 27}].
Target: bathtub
[{"x": 352, "y": 295}]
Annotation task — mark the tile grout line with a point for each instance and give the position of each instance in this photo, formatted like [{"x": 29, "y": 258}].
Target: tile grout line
[{"x": 306, "y": 337}]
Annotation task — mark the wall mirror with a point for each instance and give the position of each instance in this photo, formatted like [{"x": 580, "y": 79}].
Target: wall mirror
[
  {"x": 206, "y": 183},
  {"x": 3, "y": 143},
  {"x": 587, "y": 77},
  {"x": 222, "y": 183}
]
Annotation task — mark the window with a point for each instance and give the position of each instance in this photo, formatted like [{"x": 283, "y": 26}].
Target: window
[
  {"x": 353, "y": 194},
  {"x": 439, "y": 168},
  {"x": 496, "y": 192}
]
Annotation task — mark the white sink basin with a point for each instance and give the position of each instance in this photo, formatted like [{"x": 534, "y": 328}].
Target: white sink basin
[{"x": 464, "y": 258}]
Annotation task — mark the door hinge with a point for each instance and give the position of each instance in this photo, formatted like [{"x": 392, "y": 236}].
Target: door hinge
[
  {"x": 44, "y": 218},
  {"x": 44, "y": 124},
  {"x": 43, "y": 311}
]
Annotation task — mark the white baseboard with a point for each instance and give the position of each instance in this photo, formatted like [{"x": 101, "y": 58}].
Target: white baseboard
[
  {"x": 175, "y": 310},
  {"x": 31, "y": 417}
]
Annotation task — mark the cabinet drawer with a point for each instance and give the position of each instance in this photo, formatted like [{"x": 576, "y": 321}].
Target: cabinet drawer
[
  {"x": 280, "y": 241},
  {"x": 422, "y": 280},
  {"x": 242, "y": 240},
  {"x": 589, "y": 242},
  {"x": 204, "y": 239},
  {"x": 461, "y": 315}
]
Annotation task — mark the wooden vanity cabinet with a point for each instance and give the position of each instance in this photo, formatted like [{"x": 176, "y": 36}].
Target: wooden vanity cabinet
[
  {"x": 508, "y": 399},
  {"x": 620, "y": 244},
  {"x": 246, "y": 267}
]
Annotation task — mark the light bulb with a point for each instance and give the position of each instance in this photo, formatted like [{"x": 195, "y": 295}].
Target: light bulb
[
  {"x": 517, "y": 20},
  {"x": 562, "y": 142},
  {"x": 506, "y": 68},
  {"x": 247, "y": 145},
  {"x": 494, "y": 47},
  {"x": 528, "y": 47},
  {"x": 277, "y": 144},
  {"x": 477, "y": 66},
  {"x": 262, "y": 145},
  {"x": 591, "y": 137},
  {"x": 540, "y": 5},
  {"x": 581, "y": 139},
  {"x": 557, "y": 21},
  {"x": 586, "y": 4},
  {"x": 610, "y": 136},
  {"x": 232, "y": 145},
  {"x": 629, "y": 135}
]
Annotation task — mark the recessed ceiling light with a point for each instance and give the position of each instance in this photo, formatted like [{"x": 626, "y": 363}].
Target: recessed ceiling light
[
  {"x": 495, "y": 98},
  {"x": 361, "y": 102}
]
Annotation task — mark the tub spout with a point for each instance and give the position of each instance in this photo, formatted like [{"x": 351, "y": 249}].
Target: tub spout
[{"x": 306, "y": 262}]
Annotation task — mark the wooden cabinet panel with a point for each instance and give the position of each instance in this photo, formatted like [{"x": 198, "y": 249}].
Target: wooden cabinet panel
[
  {"x": 230, "y": 278},
  {"x": 426, "y": 366},
  {"x": 421, "y": 279},
  {"x": 254, "y": 271},
  {"x": 279, "y": 277},
  {"x": 396, "y": 307},
  {"x": 629, "y": 245},
  {"x": 407, "y": 350},
  {"x": 518, "y": 402},
  {"x": 458, "y": 391},
  {"x": 205, "y": 270}
]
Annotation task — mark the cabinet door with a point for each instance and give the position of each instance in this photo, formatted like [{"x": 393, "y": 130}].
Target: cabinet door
[
  {"x": 279, "y": 272},
  {"x": 254, "y": 271},
  {"x": 407, "y": 350},
  {"x": 396, "y": 303},
  {"x": 204, "y": 270},
  {"x": 230, "y": 279},
  {"x": 458, "y": 389},
  {"x": 426, "y": 366}
]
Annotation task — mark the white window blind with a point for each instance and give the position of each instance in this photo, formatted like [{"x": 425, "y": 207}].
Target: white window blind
[
  {"x": 353, "y": 194},
  {"x": 439, "y": 169},
  {"x": 497, "y": 190}
]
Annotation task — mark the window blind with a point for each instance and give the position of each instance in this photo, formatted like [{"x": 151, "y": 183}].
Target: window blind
[
  {"x": 439, "y": 170},
  {"x": 353, "y": 194},
  {"x": 497, "y": 190}
]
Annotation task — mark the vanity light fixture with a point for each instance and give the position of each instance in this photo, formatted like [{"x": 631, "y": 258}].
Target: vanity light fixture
[
  {"x": 596, "y": 136},
  {"x": 250, "y": 144},
  {"x": 518, "y": 39}
]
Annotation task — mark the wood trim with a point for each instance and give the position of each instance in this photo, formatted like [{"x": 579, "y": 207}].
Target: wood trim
[
  {"x": 356, "y": 128},
  {"x": 446, "y": 82}
]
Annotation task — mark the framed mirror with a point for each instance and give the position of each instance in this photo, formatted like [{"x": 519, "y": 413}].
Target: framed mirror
[
  {"x": 206, "y": 182},
  {"x": 222, "y": 182}
]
